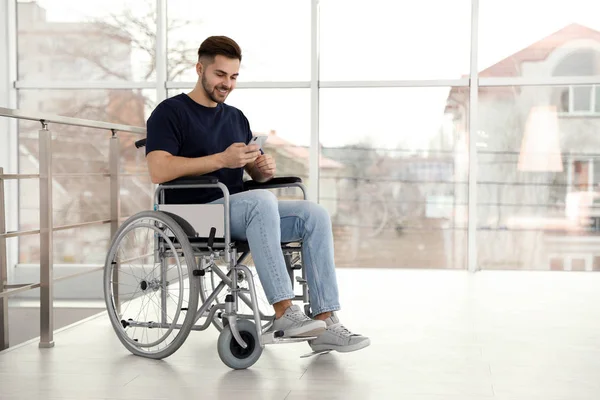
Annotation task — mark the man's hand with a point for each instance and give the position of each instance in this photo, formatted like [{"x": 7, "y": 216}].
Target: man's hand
[
  {"x": 265, "y": 164},
  {"x": 238, "y": 155}
]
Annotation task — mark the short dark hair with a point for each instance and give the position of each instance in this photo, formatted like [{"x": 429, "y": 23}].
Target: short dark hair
[{"x": 219, "y": 45}]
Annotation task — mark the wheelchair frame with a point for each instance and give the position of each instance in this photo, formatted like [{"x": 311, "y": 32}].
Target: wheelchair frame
[{"x": 235, "y": 327}]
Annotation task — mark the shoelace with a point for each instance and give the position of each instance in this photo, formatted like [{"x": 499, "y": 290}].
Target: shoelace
[
  {"x": 339, "y": 328},
  {"x": 297, "y": 316}
]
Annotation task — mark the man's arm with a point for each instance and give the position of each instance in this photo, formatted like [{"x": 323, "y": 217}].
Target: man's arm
[{"x": 164, "y": 166}]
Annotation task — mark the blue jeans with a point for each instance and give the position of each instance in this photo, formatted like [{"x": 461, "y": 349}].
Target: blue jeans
[{"x": 264, "y": 221}]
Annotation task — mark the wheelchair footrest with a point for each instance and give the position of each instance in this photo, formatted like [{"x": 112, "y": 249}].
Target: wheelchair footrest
[{"x": 269, "y": 338}]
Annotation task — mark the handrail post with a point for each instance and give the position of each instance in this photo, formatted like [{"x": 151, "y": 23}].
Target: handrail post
[
  {"x": 115, "y": 205},
  {"x": 4, "y": 342},
  {"x": 46, "y": 240}
]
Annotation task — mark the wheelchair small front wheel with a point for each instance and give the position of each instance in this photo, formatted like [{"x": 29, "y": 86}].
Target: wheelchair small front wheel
[{"x": 232, "y": 354}]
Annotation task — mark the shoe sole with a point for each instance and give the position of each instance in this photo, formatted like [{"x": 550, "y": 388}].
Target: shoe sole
[{"x": 341, "y": 349}]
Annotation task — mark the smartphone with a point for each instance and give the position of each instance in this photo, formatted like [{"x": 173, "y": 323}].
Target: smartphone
[{"x": 259, "y": 140}]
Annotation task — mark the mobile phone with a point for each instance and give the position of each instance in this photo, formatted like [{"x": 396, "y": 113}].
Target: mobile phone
[{"x": 259, "y": 140}]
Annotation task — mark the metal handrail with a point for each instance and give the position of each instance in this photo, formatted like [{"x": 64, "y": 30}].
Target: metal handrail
[
  {"x": 24, "y": 288},
  {"x": 7, "y": 177},
  {"x": 19, "y": 176},
  {"x": 12, "y": 234},
  {"x": 81, "y": 224},
  {"x": 47, "y": 227},
  {"x": 82, "y": 175},
  {"x": 59, "y": 119},
  {"x": 14, "y": 289}
]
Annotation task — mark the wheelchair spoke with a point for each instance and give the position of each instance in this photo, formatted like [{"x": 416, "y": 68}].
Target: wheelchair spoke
[
  {"x": 129, "y": 302},
  {"x": 127, "y": 262},
  {"x": 127, "y": 294},
  {"x": 137, "y": 257},
  {"x": 159, "y": 313},
  {"x": 154, "y": 269},
  {"x": 148, "y": 286},
  {"x": 137, "y": 318},
  {"x": 155, "y": 300}
]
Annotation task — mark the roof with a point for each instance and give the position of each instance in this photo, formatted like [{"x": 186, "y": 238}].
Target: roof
[
  {"x": 511, "y": 65},
  {"x": 539, "y": 51}
]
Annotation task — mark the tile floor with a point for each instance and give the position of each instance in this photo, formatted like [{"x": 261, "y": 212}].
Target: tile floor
[{"x": 436, "y": 335}]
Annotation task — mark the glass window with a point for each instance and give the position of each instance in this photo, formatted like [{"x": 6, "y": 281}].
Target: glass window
[
  {"x": 121, "y": 106},
  {"x": 563, "y": 99},
  {"x": 393, "y": 172},
  {"x": 596, "y": 265},
  {"x": 82, "y": 41},
  {"x": 82, "y": 150},
  {"x": 383, "y": 40},
  {"x": 274, "y": 36},
  {"x": 582, "y": 98},
  {"x": 533, "y": 178},
  {"x": 283, "y": 112},
  {"x": 557, "y": 264},
  {"x": 578, "y": 264},
  {"x": 286, "y": 120},
  {"x": 577, "y": 99}
]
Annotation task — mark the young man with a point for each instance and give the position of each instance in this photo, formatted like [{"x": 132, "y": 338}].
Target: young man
[{"x": 197, "y": 134}]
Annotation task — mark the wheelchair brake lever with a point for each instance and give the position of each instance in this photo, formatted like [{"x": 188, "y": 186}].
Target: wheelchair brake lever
[{"x": 211, "y": 238}]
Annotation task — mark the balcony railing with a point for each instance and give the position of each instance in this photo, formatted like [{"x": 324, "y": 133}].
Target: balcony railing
[{"x": 47, "y": 228}]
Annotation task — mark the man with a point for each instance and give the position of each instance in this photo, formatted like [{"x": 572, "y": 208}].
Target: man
[{"x": 197, "y": 134}]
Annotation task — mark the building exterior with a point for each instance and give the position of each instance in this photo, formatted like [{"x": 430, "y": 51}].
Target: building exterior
[{"x": 538, "y": 157}]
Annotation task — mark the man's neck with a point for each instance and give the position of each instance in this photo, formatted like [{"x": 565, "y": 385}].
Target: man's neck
[{"x": 200, "y": 97}]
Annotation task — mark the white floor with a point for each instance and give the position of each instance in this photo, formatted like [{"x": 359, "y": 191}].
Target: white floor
[{"x": 436, "y": 335}]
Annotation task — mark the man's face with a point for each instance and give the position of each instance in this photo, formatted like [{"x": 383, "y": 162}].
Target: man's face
[{"x": 219, "y": 78}]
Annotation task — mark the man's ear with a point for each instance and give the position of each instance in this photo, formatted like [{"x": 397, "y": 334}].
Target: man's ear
[{"x": 199, "y": 68}]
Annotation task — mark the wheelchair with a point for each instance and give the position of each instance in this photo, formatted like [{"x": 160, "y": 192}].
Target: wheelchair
[{"x": 175, "y": 269}]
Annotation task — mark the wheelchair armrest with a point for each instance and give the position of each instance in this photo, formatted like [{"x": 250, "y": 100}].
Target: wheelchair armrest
[
  {"x": 188, "y": 182},
  {"x": 273, "y": 183},
  {"x": 192, "y": 180}
]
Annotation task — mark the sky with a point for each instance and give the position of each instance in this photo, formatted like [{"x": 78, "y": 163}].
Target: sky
[{"x": 360, "y": 40}]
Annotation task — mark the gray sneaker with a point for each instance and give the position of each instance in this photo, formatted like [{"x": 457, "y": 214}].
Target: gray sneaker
[
  {"x": 337, "y": 337},
  {"x": 294, "y": 323}
]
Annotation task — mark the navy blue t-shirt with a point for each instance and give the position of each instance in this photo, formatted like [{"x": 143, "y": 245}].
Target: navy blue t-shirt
[{"x": 185, "y": 128}]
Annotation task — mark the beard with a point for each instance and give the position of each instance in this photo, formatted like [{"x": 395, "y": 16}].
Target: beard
[{"x": 212, "y": 93}]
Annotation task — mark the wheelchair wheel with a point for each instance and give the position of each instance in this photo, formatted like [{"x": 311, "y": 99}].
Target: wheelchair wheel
[
  {"x": 150, "y": 291},
  {"x": 232, "y": 354},
  {"x": 210, "y": 281}
]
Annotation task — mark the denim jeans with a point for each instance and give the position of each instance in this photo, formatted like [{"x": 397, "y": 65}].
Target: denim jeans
[{"x": 258, "y": 217}]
